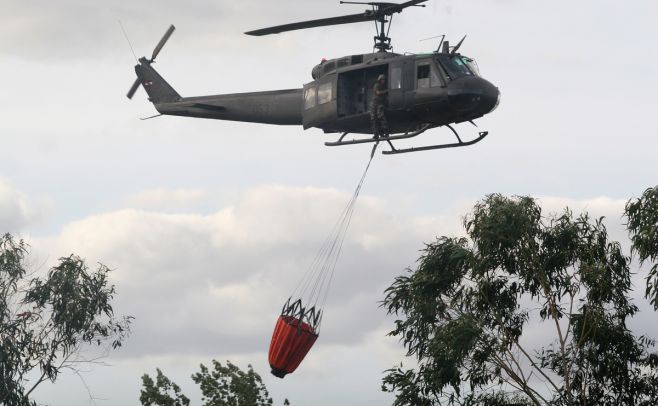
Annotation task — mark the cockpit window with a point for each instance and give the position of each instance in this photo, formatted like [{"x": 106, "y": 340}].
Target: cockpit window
[
  {"x": 455, "y": 66},
  {"x": 472, "y": 65}
]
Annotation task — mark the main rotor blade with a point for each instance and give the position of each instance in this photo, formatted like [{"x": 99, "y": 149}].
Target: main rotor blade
[
  {"x": 396, "y": 8},
  {"x": 347, "y": 19},
  {"x": 164, "y": 39},
  {"x": 383, "y": 9},
  {"x": 133, "y": 88}
]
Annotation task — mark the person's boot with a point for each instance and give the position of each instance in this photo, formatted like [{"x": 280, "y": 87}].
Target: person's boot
[{"x": 375, "y": 131}]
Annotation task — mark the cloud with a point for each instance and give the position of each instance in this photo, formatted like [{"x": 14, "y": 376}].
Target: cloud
[
  {"x": 167, "y": 199},
  {"x": 16, "y": 211},
  {"x": 79, "y": 29},
  {"x": 76, "y": 28},
  {"x": 199, "y": 282},
  {"x": 596, "y": 206},
  {"x": 203, "y": 282}
]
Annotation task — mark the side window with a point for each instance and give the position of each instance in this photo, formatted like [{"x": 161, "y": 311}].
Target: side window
[
  {"x": 324, "y": 93},
  {"x": 396, "y": 78},
  {"x": 423, "y": 76},
  {"x": 309, "y": 98},
  {"x": 434, "y": 77}
]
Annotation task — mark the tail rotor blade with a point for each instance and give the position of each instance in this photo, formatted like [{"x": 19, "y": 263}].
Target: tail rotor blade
[
  {"x": 133, "y": 88},
  {"x": 164, "y": 39}
]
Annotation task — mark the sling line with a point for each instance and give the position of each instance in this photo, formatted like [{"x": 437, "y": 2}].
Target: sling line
[{"x": 314, "y": 287}]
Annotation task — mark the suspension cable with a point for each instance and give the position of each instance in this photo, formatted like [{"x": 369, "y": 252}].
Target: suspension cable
[{"x": 314, "y": 286}]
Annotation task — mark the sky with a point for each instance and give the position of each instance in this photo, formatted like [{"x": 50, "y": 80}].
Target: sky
[{"x": 209, "y": 225}]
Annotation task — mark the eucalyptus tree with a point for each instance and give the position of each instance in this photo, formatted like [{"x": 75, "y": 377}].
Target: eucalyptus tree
[
  {"x": 47, "y": 322},
  {"x": 161, "y": 392},
  {"x": 527, "y": 309},
  {"x": 221, "y": 385},
  {"x": 642, "y": 216}
]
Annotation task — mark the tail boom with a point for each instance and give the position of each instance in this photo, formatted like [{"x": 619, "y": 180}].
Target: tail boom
[
  {"x": 273, "y": 107},
  {"x": 283, "y": 107}
]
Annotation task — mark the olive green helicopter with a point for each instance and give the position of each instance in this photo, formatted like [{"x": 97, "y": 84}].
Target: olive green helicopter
[{"x": 425, "y": 91}]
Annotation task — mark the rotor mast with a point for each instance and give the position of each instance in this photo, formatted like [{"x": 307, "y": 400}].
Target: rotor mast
[
  {"x": 380, "y": 12},
  {"x": 382, "y": 40}
]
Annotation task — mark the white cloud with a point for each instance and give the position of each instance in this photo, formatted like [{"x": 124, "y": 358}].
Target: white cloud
[
  {"x": 167, "y": 199},
  {"x": 199, "y": 281},
  {"x": 595, "y": 206},
  {"x": 16, "y": 210},
  {"x": 75, "y": 29}
]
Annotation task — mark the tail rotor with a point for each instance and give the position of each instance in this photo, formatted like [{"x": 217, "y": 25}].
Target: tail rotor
[{"x": 144, "y": 61}]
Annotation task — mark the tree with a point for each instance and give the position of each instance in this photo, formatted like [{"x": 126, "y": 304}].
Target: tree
[
  {"x": 642, "y": 215},
  {"x": 462, "y": 314},
  {"x": 46, "y": 322},
  {"x": 222, "y": 386},
  {"x": 162, "y": 392}
]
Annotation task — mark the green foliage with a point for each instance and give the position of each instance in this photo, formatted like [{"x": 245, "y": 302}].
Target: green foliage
[
  {"x": 230, "y": 386},
  {"x": 463, "y": 311},
  {"x": 642, "y": 215},
  {"x": 222, "y": 386},
  {"x": 162, "y": 392},
  {"x": 45, "y": 322}
]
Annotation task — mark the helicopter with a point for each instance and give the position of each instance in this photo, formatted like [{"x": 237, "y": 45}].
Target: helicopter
[{"x": 425, "y": 91}]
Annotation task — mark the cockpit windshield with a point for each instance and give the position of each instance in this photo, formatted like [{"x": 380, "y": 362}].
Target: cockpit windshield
[
  {"x": 457, "y": 66},
  {"x": 472, "y": 65}
]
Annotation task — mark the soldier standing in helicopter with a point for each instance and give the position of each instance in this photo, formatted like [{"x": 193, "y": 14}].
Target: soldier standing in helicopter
[{"x": 378, "y": 107}]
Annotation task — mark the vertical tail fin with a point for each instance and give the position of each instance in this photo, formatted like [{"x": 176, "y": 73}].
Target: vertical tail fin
[{"x": 158, "y": 89}]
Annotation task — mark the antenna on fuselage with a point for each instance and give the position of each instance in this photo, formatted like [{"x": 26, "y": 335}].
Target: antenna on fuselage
[{"x": 438, "y": 48}]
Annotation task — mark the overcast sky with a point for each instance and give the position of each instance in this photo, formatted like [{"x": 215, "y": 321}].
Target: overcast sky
[{"x": 209, "y": 225}]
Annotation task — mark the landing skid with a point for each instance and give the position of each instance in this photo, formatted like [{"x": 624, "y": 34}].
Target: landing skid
[
  {"x": 406, "y": 135},
  {"x": 367, "y": 140}
]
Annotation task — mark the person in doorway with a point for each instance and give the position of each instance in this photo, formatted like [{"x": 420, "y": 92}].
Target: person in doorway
[{"x": 378, "y": 107}]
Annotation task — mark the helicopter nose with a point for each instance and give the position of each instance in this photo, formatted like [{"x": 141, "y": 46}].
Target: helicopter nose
[
  {"x": 474, "y": 95},
  {"x": 490, "y": 97}
]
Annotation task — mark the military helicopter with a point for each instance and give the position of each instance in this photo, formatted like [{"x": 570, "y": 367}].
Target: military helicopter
[{"x": 425, "y": 91}]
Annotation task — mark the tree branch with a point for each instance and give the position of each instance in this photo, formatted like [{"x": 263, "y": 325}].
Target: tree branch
[
  {"x": 533, "y": 394},
  {"x": 499, "y": 319},
  {"x": 553, "y": 311}
]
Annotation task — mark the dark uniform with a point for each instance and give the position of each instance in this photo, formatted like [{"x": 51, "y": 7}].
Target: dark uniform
[{"x": 378, "y": 107}]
